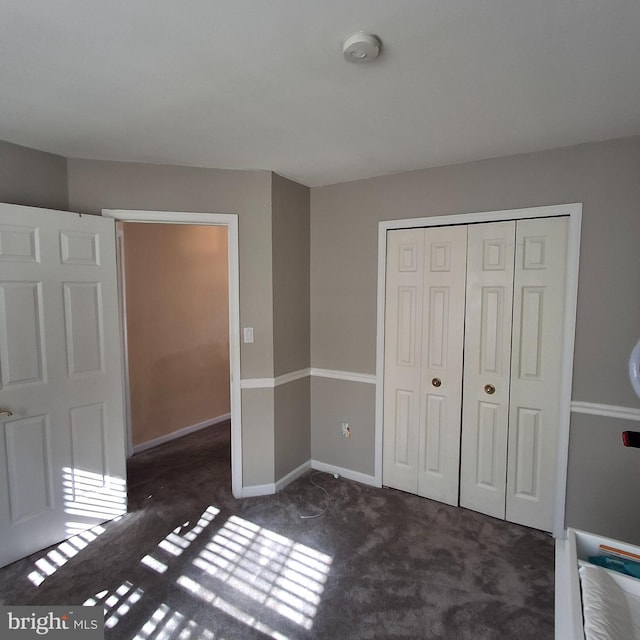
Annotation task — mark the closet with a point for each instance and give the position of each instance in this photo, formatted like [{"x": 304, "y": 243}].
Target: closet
[{"x": 473, "y": 337}]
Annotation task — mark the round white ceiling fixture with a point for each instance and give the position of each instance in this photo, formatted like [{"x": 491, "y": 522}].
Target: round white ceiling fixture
[{"x": 361, "y": 47}]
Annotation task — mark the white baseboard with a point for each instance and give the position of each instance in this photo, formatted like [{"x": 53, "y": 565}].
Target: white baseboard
[
  {"x": 293, "y": 475},
  {"x": 257, "y": 490},
  {"x": 345, "y": 473},
  {"x": 149, "y": 444}
]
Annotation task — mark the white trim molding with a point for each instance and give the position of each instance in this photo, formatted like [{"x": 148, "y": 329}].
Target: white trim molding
[
  {"x": 293, "y": 475},
  {"x": 291, "y": 377},
  {"x": 230, "y": 221},
  {"x": 350, "y": 376},
  {"x": 174, "y": 435},
  {"x": 606, "y": 410},
  {"x": 574, "y": 213},
  {"x": 345, "y": 473},
  {"x": 257, "y": 383},
  {"x": 272, "y": 383},
  {"x": 257, "y": 490},
  {"x": 333, "y": 374}
]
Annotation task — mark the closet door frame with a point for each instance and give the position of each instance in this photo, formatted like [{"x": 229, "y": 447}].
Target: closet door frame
[{"x": 574, "y": 213}]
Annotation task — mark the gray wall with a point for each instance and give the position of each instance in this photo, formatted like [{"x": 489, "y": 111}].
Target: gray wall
[
  {"x": 604, "y": 478},
  {"x": 291, "y": 304},
  {"x": 332, "y": 403},
  {"x": 94, "y": 185},
  {"x": 32, "y": 178},
  {"x": 292, "y": 435},
  {"x": 291, "y": 335},
  {"x": 605, "y": 178}
]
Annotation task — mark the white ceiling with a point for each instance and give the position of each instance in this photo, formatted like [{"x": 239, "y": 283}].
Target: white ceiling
[{"x": 261, "y": 84}]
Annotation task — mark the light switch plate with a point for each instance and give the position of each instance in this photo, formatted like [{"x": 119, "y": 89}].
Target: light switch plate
[{"x": 248, "y": 335}]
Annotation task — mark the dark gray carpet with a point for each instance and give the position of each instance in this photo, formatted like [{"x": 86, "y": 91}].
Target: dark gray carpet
[{"x": 190, "y": 561}]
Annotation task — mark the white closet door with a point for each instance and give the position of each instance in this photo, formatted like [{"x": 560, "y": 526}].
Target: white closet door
[
  {"x": 442, "y": 348},
  {"x": 485, "y": 413},
  {"x": 403, "y": 337},
  {"x": 535, "y": 370}
]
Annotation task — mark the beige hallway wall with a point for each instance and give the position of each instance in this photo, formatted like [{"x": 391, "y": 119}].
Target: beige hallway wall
[{"x": 177, "y": 326}]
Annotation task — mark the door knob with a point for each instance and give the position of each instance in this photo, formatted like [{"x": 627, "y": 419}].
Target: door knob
[
  {"x": 6, "y": 412},
  {"x": 489, "y": 388},
  {"x": 436, "y": 382}
]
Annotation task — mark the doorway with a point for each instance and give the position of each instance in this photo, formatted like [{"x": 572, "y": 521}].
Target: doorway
[
  {"x": 230, "y": 221},
  {"x": 175, "y": 293}
]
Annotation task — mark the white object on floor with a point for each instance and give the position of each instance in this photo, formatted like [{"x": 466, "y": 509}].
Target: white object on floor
[
  {"x": 606, "y": 606},
  {"x": 579, "y": 616}
]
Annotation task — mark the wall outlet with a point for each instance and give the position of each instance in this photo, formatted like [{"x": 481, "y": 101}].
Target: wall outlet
[{"x": 346, "y": 431}]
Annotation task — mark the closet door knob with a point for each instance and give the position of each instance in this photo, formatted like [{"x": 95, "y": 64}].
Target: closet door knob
[
  {"x": 436, "y": 382},
  {"x": 489, "y": 388}
]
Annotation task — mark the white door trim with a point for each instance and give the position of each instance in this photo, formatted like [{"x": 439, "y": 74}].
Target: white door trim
[
  {"x": 231, "y": 222},
  {"x": 122, "y": 299},
  {"x": 574, "y": 211}
]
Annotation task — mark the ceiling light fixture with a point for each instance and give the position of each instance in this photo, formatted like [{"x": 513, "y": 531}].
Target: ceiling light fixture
[{"x": 361, "y": 47}]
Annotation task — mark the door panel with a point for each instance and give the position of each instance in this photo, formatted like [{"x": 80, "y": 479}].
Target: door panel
[
  {"x": 83, "y": 326},
  {"x": 487, "y": 360},
  {"x": 21, "y": 318},
  {"x": 405, "y": 401},
  {"x": 61, "y": 376},
  {"x": 433, "y": 458},
  {"x": 29, "y": 484},
  {"x": 441, "y": 373},
  {"x": 535, "y": 379},
  {"x": 403, "y": 337}
]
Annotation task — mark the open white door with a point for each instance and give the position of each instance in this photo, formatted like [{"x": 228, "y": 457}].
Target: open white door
[{"x": 62, "y": 437}]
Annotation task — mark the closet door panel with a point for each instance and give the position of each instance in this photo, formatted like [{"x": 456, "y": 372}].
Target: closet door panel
[
  {"x": 487, "y": 361},
  {"x": 539, "y": 289},
  {"x": 442, "y": 349},
  {"x": 403, "y": 358}
]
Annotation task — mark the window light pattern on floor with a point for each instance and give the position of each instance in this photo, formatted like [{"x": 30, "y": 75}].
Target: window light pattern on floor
[
  {"x": 282, "y": 575},
  {"x": 117, "y": 603},
  {"x": 167, "y": 624},
  {"x": 51, "y": 561},
  {"x": 174, "y": 544},
  {"x": 223, "y": 605}
]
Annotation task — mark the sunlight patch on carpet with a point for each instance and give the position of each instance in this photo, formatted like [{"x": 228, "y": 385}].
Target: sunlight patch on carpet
[
  {"x": 116, "y": 603},
  {"x": 54, "y": 559},
  {"x": 282, "y": 575},
  {"x": 175, "y": 543}
]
